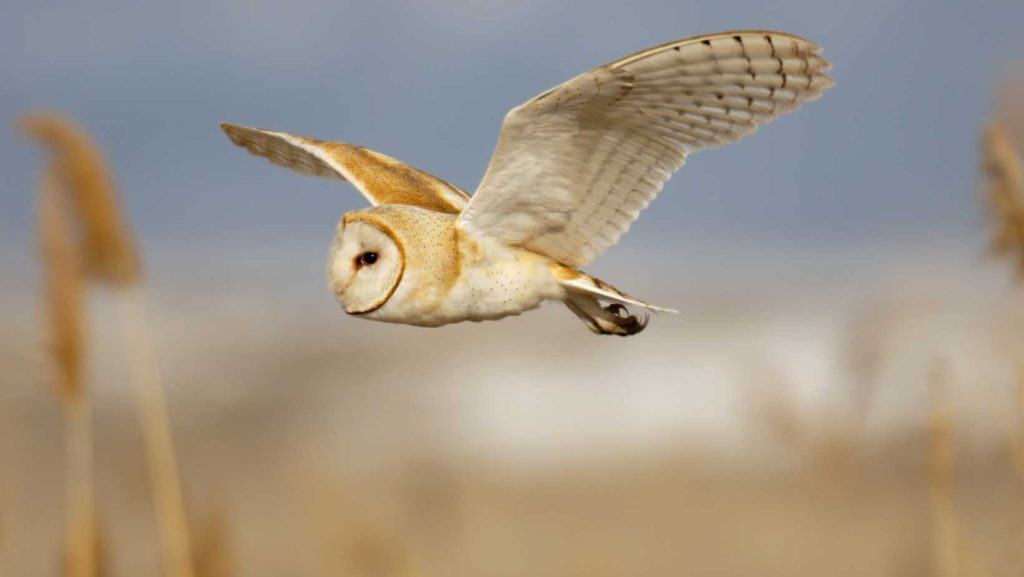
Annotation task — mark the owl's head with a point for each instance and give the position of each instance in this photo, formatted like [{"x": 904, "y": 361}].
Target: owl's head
[{"x": 386, "y": 260}]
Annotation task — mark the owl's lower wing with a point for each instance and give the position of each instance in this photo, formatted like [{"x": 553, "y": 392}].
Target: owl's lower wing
[
  {"x": 574, "y": 167},
  {"x": 381, "y": 179}
]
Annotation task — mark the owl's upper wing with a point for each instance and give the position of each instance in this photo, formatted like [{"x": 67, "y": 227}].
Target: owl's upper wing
[
  {"x": 381, "y": 179},
  {"x": 575, "y": 166}
]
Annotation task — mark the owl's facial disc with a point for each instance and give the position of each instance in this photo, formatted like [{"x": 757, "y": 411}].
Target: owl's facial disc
[{"x": 366, "y": 266}]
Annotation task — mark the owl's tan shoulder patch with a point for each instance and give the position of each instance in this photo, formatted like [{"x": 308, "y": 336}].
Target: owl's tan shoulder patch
[{"x": 390, "y": 181}]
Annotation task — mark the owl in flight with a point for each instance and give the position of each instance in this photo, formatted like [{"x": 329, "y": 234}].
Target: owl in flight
[{"x": 572, "y": 170}]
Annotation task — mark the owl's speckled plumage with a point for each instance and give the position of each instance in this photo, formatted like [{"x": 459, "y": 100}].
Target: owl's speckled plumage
[
  {"x": 446, "y": 276},
  {"x": 572, "y": 170}
]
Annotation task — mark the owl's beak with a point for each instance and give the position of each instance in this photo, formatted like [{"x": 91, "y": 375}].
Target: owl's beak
[
  {"x": 338, "y": 290},
  {"x": 339, "y": 295}
]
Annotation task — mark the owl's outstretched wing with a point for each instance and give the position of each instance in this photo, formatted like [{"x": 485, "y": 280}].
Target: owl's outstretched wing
[
  {"x": 575, "y": 166},
  {"x": 381, "y": 179}
]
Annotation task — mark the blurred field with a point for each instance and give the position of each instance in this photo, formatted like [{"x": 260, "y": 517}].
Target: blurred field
[{"x": 783, "y": 433}]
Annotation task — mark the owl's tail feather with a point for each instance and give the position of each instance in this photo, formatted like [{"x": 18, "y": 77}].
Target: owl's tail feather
[{"x": 585, "y": 294}]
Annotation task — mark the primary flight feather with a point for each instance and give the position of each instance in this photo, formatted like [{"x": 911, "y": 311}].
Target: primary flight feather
[{"x": 572, "y": 170}]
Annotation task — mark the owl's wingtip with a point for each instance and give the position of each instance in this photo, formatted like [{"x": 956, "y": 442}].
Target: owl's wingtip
[
  {"x": 238, "y": 133},
  {"x": 230, "y": 128}
]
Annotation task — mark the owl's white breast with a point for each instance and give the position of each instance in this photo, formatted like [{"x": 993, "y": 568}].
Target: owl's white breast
[
  {"x": 492, "y": 281},
  {"x": 498, "y": 280}
]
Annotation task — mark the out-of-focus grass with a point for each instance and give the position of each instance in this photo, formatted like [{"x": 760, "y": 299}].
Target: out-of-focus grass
[
  {"x": 97, "y": 244},
  {"x": 313, "y": 474}
]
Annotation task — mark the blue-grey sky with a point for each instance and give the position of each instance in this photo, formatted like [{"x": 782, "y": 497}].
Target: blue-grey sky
[{"x": 889, "y": 153}]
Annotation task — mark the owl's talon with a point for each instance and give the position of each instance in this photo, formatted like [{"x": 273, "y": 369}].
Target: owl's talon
[
  {"x": 632, "y": 324},
  {"x": 618, "y": 310},
  {"x": 619, "y": 322}
]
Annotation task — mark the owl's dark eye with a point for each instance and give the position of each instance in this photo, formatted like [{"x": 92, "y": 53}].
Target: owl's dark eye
[{"x": 368, "y": 258}]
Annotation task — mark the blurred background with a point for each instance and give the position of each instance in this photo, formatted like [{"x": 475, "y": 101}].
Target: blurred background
[{"x": 841, "y": 391}]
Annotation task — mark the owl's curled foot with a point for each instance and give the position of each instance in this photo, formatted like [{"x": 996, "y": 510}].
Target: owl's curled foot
[{"x": 613, "y": 319}]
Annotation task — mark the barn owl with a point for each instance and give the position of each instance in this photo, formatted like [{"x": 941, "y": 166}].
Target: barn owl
[{"x": 572, "y": 170}]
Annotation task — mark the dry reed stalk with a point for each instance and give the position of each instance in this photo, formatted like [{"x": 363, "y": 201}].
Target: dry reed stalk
[
  {"x": 212, "y": 555},
  {"x": 1004, "y": 192},
  {"x": 2, "y": 534},
  {"x": 107, "y": 246},
  {"x": 953, "y": 549},
  {"x": 864, "y": 354},
  {"x": 1017, "y": 435},
  {"x": 842, "y": 430},
  {"x": 1003, "y": 166},
  {"x": 110, "y": 257},
  {"x": 354, "y": 541},
  {"x": 771, "y": 404},
  {"x": 829, "y": 445},
  {"x": 64, "y": 308},
  {"x": 81, "y": 537},
  {"x": 945, "y": 529},
  {"x": 163, "y": 467},
  {"x": 1017, "y": 442},
  {"x": 97, "y": 550},
  {"x": 64, "y": 289}
]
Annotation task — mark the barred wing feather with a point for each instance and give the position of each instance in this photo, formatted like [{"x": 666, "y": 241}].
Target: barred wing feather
[{"x": 574, "y": 166}]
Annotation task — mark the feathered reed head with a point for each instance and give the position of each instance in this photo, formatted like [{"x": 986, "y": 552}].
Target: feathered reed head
[
  {"x": 107, "y": 246},
  {"x": 1004, "y": 193}
]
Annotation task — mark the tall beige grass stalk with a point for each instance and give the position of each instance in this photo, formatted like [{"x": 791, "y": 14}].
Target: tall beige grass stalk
[
  {"x": 953, "y": 549},
  {"x": 213, "y": 556},
  {"x": 107, "y": 246},
  {"x": 1004, "y": 192},
  {"x": 945, "y": 528},
  {"x": 64, "y": 292},
  {"x": 3, "y": 535},
  {"x": 1017, "y": 442},
  {"x": 168, "y": 495},
  {"x": 1015, "y": 429},
  {"x": 110, "y": 257}
]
